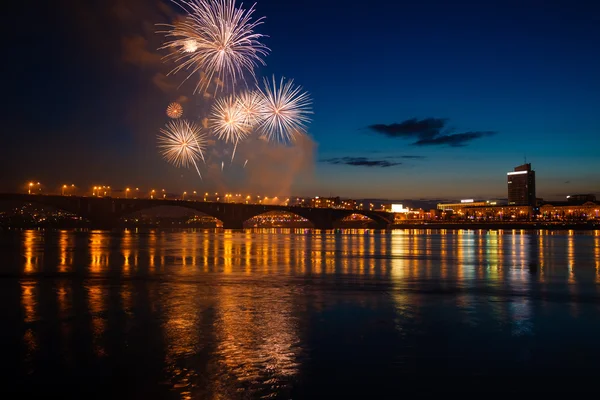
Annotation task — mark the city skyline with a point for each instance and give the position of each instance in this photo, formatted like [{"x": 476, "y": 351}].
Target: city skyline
[{"x": 442, "y": 107}]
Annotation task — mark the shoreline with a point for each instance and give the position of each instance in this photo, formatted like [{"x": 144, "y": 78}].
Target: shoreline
[
  {"x": 420, "y": 226},
  {"x": 500, "y": 226}
]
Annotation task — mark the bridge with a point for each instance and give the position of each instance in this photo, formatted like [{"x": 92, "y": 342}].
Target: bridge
[{"x": 105, "y": 212}]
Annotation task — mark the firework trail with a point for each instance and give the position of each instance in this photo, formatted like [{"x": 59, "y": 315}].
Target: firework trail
[
  {"x": 216, "y": 38},
  {"x": 174, "y": 110},
  {"x": 181, "y": 143},
  {"x": 284, "y": 110},
  {"x": 222, "y": 165},
  {"x": 245, "y": 163}
]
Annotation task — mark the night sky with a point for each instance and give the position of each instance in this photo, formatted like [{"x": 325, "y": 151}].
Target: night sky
[{"x": 412, "y": 99}]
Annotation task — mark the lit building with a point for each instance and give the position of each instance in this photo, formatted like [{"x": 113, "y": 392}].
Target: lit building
[
  {"x": 468, "y": 203},
  {"x": 561, "y": 211},
  {"x": 521, "y": 186},
  {"x": 323, "y": 202}
]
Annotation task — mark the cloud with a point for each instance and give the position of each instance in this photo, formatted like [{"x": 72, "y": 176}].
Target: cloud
[
  {"x": 163, "y": 83},
  {"x": 405, "y": 157},
  {"x": 428, "y": 132},
  {"x": 360, "y": 162},
  {"x": 424, "y": 128},
  {"x": 453, "y": 140},
  {"x": 135, "y": 51}
]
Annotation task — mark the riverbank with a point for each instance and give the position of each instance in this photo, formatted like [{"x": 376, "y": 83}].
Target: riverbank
[{"x": 499, "y": 225}]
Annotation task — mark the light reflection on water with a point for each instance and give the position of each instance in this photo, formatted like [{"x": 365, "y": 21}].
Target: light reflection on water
[{"x": 226, "y": 314}]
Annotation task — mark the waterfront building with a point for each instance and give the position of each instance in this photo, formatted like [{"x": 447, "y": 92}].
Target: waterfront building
[
  {"x": 521, "y": 186},
  {"x": 467, "y": 203},
  {"x": 585, "y": 211}
]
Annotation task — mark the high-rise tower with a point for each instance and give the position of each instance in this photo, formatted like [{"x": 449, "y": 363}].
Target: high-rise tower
[{"x": 521, "y": 186}]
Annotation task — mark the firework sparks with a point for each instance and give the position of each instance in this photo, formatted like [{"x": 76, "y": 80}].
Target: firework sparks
[
  {"x": 284, "y": 110},
  {"x": 174, "y": 110},
  {"x": 250, "y": 104},
  {"x": 189, "y": 46},
  {"x": 227, "y": 120},
  {"x": 216, "y": 38},
  {"x": 182, "y": 143},
  {"x": 245, "y": 163}
]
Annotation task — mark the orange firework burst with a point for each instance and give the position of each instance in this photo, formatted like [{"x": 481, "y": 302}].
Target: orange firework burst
[{"x": 174, "y": 110}]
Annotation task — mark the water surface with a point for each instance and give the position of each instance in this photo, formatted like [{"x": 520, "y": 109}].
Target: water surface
[{"x": 213, "y": 314}]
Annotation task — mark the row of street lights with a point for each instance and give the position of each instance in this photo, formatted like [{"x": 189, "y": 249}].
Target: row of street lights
[
  {"x": 107, "y": 191},
  {"x": 33, "y": 186},
  {"x": 65, "y": 188}
]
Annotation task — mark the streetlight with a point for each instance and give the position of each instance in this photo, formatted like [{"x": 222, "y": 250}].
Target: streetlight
[
  {"x": 183, "y": 195},
  {"x": 127, "y": 192},
  {"x": 30, "y": 186},
  {"x": 64, "y": 187},
  {"x": 152, "y": 193},
  {"x": 164, "y": 194},
  {"x": 137, "y": 192}
]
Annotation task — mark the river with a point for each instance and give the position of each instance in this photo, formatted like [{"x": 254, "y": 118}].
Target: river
[{"x": 213, "y": 314}]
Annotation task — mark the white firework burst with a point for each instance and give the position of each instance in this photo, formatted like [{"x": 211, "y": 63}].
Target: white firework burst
[
  {"x": 285, "y": 110},
  {"x": 250, "y": 103},
  {"x": 218, "y": 39},
  {"x": 182, "y": 143},
  {"x": 228, "y": 121}
]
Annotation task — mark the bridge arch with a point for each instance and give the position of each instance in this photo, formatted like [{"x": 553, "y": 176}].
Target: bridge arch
[
  {"x": 175, "y": 215},
  {"x": 371, "y": 217},
  {"x": 275, "y": 217}
]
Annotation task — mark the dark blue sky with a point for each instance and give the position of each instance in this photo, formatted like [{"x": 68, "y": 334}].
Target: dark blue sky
[{"x": 87, "y": 92}]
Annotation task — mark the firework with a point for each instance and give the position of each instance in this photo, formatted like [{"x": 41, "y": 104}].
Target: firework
[
  {"x": 245, "y": 163},
  {"x": 216, "y": 38},
  {"x": 227, "y": 120},
  {"x": 284, "y": 110},
  {"x": 182, "y": 143},
  {"x": 250, "y": 104},
  {"x": 174, "y": 110},
  {"x": 189, "y": 46}
]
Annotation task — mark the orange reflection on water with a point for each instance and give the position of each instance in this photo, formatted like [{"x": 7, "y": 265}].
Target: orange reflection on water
[
  {"x": 97, "y": 297},
  {"x": 30, "y": 261},
  {"x": 66, "y": 256},
  {"x": 29, "y": 304},
  {"x": 98, "y": 257},
  {"x": 597, "y": 256},
  {"x": 29, "y": 301},
  {"x": 63, "y": 298},
  {"x": 571, "y": 256},
  {"x": 227, "y": 251},
  {"x": 541, "y": 253},
  {"x": 257, "y": 337}
]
